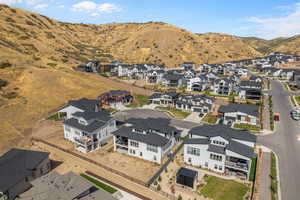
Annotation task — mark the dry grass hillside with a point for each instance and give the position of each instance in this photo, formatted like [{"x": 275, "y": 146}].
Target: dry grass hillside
[{"x": 285, "y": 45}]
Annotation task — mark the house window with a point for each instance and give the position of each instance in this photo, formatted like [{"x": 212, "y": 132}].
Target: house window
[
  {"x": 154, "y": 158},
  {"x": 77, "y": 132},
  {"x": 239, "y": 117},
  {"x": 206, "y": 164},
  {"x": 189, "y": 160},
  {"x": 152, "y": 148},
  {"x": 132, "y": 151},
  {"x": 193, "y": 151},
  {"x": 141, "y": 154},
  {"x": 67, "y": 129},
  {"x": 215, "y": 157},
  {"x": 134, "y": 144},
  {"x": 220, "y": 168},
  {"x": 216, "y": 166}
]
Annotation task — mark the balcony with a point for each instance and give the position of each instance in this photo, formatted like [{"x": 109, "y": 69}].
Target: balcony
[
  {"x": 83, "y": 140},
  {"x": 122, "y": 143},
  {"x": 237, "y": 165}
]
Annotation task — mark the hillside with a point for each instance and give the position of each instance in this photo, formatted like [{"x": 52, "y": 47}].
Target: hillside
[{"x": 285, "y": 45}]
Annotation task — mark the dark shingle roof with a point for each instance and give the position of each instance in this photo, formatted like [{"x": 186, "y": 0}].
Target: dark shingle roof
[
  {"x": 17, "y": 164},
  {"x": 88, "y": 128},
  {"x": 187, "y": 173},
  {"x": 197, "y": 141},
  {"x": 241, "y": 149},
  {"x": 148, "y": 138},
  {"x": 250, "y": 84},
  {"x": 216, "y": 149},
  {"x": 101, "y": 115},
  {"x": 159, "y": 124},
  {"x": 85, "y": 104},
  {"x": 249, "y": 109},
  {"x": 223, "y": 131}
]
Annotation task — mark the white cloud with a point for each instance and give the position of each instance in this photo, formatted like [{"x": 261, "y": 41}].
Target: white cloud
[
  {"x": 272, "y": 27},
  {"x": 41, "y": 6},
  {"x": 95, "y": 9},
  {"x": 10, "y": 1},
  {"x": 109, "y": 8}
]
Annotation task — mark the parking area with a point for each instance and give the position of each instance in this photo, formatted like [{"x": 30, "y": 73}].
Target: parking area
[{"x": 52, "y": 132}]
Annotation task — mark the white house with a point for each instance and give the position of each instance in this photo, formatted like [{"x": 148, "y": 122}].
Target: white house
[
  {"x": 81, "y": 105},
  {"x": 197, "y": 84},
  {"x": 149, "y": 139},
  {"x": 240, "y": 114},
  {"x": 89, "y": 130},
  {"x": 220, "y": 149}
]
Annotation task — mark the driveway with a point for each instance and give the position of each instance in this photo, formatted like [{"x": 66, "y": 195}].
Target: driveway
[
  {"x": 149, "y": 113},
  {"x": 284, "y": 143}
]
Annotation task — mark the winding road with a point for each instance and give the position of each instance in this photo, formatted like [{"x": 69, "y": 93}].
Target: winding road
[{"x": 284, "y": 143}]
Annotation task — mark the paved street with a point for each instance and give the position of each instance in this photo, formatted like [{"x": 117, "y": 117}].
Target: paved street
[
  {"x": 148, "y": 113},
  {"x": 285, "y": 144}
]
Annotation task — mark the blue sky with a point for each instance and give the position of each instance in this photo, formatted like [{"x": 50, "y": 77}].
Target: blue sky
[{"x": 267, "y": 19}]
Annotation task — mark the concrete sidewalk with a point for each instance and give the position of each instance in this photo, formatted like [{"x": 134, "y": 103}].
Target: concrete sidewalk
[{"x": 265, "y": 181}]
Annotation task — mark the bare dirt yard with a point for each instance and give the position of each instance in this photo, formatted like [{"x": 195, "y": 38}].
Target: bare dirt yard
[
  {"x": 52, "y": 132},
  {"x": 168, "y": 184}
]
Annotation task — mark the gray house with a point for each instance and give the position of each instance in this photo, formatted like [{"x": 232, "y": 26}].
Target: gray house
[
  {"x": 70, "y": 186},
  {"x": 18, "y": 168}
]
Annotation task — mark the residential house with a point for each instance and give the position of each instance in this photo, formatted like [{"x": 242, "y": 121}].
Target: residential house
[
  {"x": 220, "y": 149},
  {"x": 164, "y": 99},
  {"x": 197, "y": 84},
  {"x": 188, "y": 66},
  {"x": 81, "y": 105},
  {"x": 69, "y": 186},
  {"x": 18, "y": 167},
  {"x": 149, "y": 139},
  {"x": 115, "y": 97},
  {"x": 250, "y": 90},
  {"x": 89, "y": 130},
  {"x": 223, "y": 86},
  {"x": 155, "y": 76},
  {"x": 239, "y": 114},
  {"x": 173, "y": 80},
  {"x": 194, "y": 103}
]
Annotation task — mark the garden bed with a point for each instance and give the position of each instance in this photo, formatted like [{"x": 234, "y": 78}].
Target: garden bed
[
  {"x": 99, "y": 184},
  {"x": 247, "y": 127}
]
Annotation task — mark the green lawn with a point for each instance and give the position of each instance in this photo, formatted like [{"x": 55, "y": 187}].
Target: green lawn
[
  {"x": 212, "y": 119},
  {"x": 99, "y": 184},
  {"x": 177, "y": 113},
  {"x": 141, "y": 100},
  {"x": 111, "y": 110},
  {"x": 297, "y": 98},
  {"x": 253, "y": 169},
  {"x": 54, "y": 117},
  {"x": 221, "y": 189},
  {"x": 247, "y": 127}
]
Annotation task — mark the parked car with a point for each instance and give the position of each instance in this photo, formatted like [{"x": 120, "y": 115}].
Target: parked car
[
  {"x": 295, "y": 115},
  {"x": 276, "y": 117}
]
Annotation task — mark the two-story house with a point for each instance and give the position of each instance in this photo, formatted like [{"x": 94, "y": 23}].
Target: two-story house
[
  {"x": 220, "y": 149},
  {"x": 223, "y": 87},
  {"x": 240, "y": 114},
  {"x": 149, "y": 139},
  {"x": 194, "y": 103},
  {"x": 89, "y": 130},
  {"x": 197, "y": 84},
  {"x": 164, "y": 99}
]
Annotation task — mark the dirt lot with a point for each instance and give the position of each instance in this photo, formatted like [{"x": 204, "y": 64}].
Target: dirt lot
[
  {"x": 52, "y": 132},
  {"x": 168, "y": 184}
]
